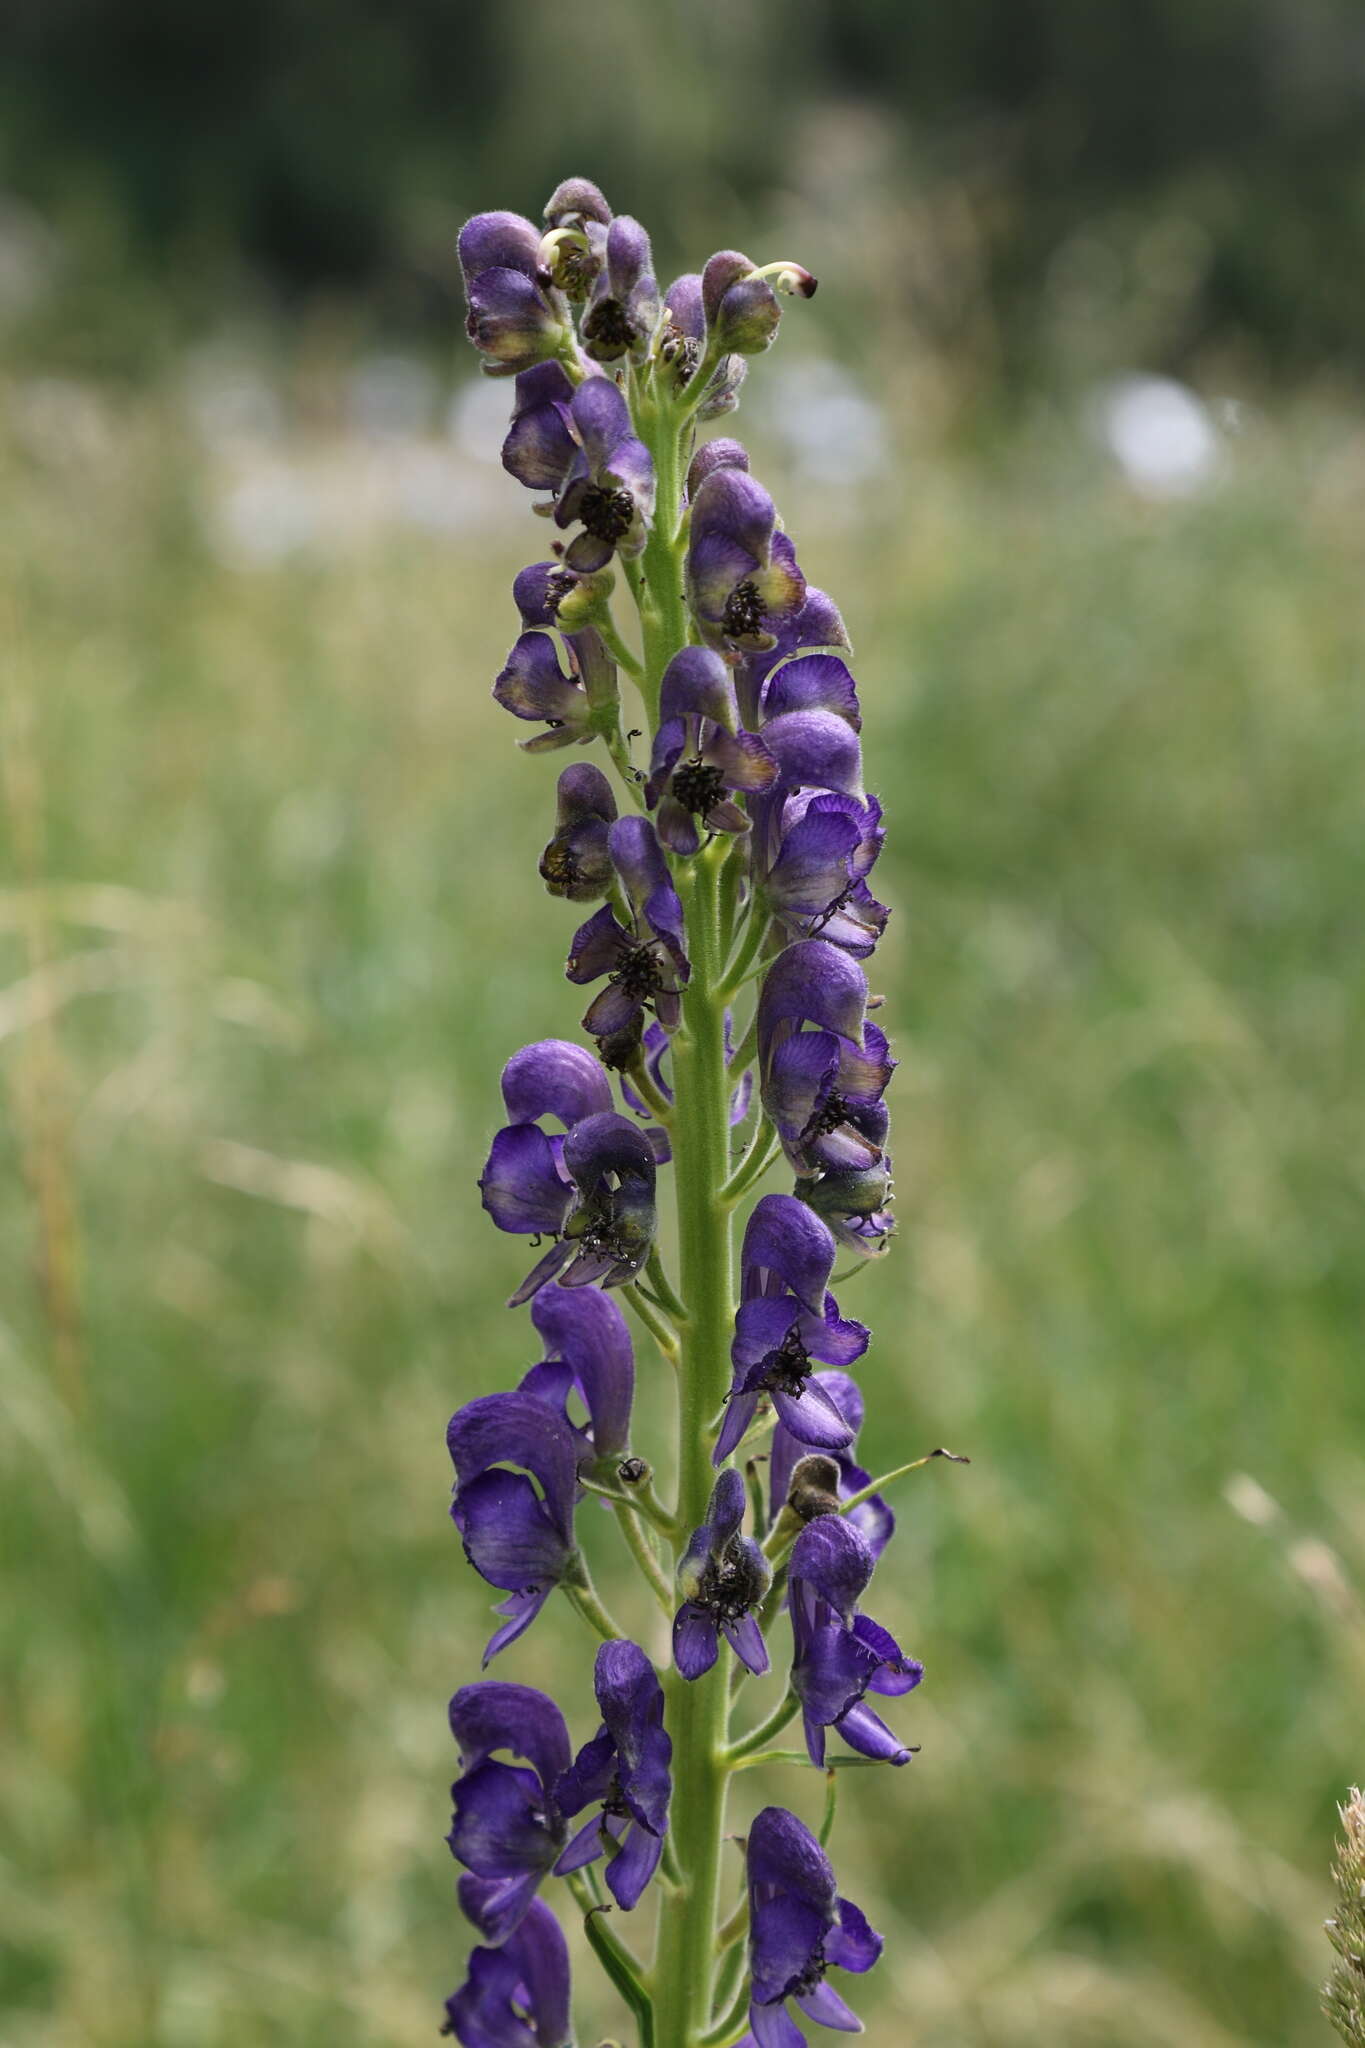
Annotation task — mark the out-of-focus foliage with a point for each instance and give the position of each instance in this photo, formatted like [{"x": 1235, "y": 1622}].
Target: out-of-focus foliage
[{"x": 325, "y": 144}]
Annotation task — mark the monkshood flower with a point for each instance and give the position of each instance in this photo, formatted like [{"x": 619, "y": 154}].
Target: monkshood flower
[
  {"x": 839, "y": 1655},
  {"x": 609, "y": 483},
  {"x": 874, "y": 1520},
  {"x": 742, "y": 574},
  {"x": 624, "y": 1772},
  {"x": 740, "y": 304},
  {"x": 855, "y": 1202},
  {"x": 815, "y": 882},
  {"x": 540, "y": 445},
  {"x": 786, "y": 1319},
  {"x": 517, "y": 1995},
  {"x": 682, "y": 344},
  {"x": 507, "y": 1829},
  {"x": 818, "y": 624},
  {"x": 722, "y": 1577},
  {"x": 822, "y": 1086},
  {"x": 798, "y": 1929},
  {"x": 548, "y": 594},
  {"x": 576, "y": 863},
  {"x": 588, "y": 1347},
  {"x": 610, "y": 1229},
  {"x": 574, "y": 245},
  {"x": 513, "y": 319},
  {"x": 572, "y": 707},
  {"x": 647, "y": 963},
  {"x": 623, "y": 306},
  {"x": 699, "y": 757},
  {"x": 516, "y": 1526}
]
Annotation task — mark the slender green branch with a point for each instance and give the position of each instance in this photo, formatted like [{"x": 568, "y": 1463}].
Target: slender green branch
[
  {"x": 653, "y": 1097},
  {"x": 582, "y": 1595},
  {"x": 831, "y": 1805},
  {"x": 616, "y": 647},
  {"x": 641, "y": 1498},
  {"x": 668, "y": 1296},
  {"x": 737, "y": 973},
  {"x": 616, "y": 1959},
  {"x": 875, "y": 1486},
  {"x": 729, "y": 1977},
  {"x": 663, "y": 1336},
  {"x": 743, "y": 1054},
  {"x": 733, "y": 2026},
  {"x": 759, "y": 1738},
  {"x": 759, "y": 1156},
  {"x": 642, "y": 1550},
  {"x": 734, "y": 1926},
  {"x": 798, "y": 1756}
]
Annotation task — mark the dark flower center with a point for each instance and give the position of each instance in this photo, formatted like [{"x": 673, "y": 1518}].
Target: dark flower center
[
  {"x": 732, "y": 1584},
  {"x": 682, "y": 351},
  {"x": 813, "y": 1974},
  {"x": 832, "y": 1112},
  {"x": 609, "y": 326},
  {"x": 558, "y": 584},
  {"x": 559, "y": 868},
  {"x": 638, "y": 973},
  {"x": 787, "y": 1369},
  {"x": 697, "y": 785},
  {"x": 606, "y": 514},
  {"x": 743, "y": 610},
  {"x": 613, "y": 1804},
  {"x": 619, "y": 1050}
]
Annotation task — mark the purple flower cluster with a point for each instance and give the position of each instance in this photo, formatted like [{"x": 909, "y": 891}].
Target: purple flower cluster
[{"x": 752, "y": 770}]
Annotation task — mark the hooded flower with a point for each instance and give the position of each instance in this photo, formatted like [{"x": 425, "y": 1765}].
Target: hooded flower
[
  {"x": 855, "y": 1201},
  {"x": 647, "y": 964},
  {"x": 623, "y": 308},
  {"x": 699, "y": 756},
  {"x": 516, "y": 1525},
  {"x": 533, "y": 686},
  {"x": 799, "y": 1928},
  {"x": 818, "y": 624},
  {"x": 623, "y": 1772},
  {"x": 592, "y": 1190},
  {"x": 513, "y": 319},
  {"x": 516, "y": 1996},
  {"x": 812, "y": 864},
  {"x": 507, "y": 1829},
  {"x": 838, "y": 1655},
  {"x": 576, "y": 863},
  {"x": 540, "y": 445},
  {"x": 786, "y": 1319},
  {"x": 823, "y": 1086},
  {"x": 742, "y": 576},
  {"x": 609, "y": 484},
  {"x": 722, "y": 1577},
  {"x": 874, "y": 1520},
  {"x": 587, "y": 1350}
]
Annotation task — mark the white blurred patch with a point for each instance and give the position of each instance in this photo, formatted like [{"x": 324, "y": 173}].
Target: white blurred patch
[
  {"x": 832, "y": 432},
  {"x": 30, "y": 258},
  {"x": 478, "y": 416},
  {"x": 1161, "y": 434},
  {"x": 391, "y": 397}
]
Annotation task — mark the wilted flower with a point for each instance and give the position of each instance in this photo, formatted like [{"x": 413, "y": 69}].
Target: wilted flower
[
  {"x": 874, "y": 1520},
  {"x": 576, "y": 862}
]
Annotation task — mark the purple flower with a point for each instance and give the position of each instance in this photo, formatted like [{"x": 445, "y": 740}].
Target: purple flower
[
  {"x": 742, "y": 576},
  {"x": 838, "y": 1655},
  {"x": 855, "y": 1202},
  {"x": 609, "y": 485},
  {"x": 624, "y": 1772},
  {"x": 512, "y": 318},
  {"x": 722, "y": 1577},
  {"x": 587, "y": 1348},
  {"x": 592, "y": 1190},
  {"x": 517, "y": 1995},
  {"x": 540, "y": 445},
  {"x": 811, "y": 861},
  {"x": 574, "y": 202},
  {"x": 506, "y": 1829},
  {"x": 699, "y": 757},
  {"x": 786, "y": 1318},
  {"x": 532, "y": 685},
  {"x": 647, "y": 963},
  {"x": 798, "y": 1929},
  {"x": 874, "y": 1520},
  {"x": 822, "y": 1087},
  {"x": 623, "y": 309},
  {"x": 818, "y": 624},
  {"x": 516, "y": 1525},
  {"x": 576, "y": 863}
]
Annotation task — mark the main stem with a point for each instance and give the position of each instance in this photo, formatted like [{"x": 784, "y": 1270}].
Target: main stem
[{"x": 698, "y": 1711}]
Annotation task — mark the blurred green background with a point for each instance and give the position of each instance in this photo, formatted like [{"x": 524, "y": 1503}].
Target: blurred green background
[{"x": 1072, "y": 432}]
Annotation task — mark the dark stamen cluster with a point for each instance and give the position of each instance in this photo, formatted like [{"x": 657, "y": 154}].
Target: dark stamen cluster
[
  {"x": 606, "y": 514},
  {"x": 610, "y": 326},
  {"x": 638, "y": 973},
  {"x": 813, "y": 1974},
  {"x": 732, "y": 1585},
  {"x": 559, "y": 869},
  {"x": 743, "y": 613},
  {"x": 832, "y": 1112},
  {"x": 788, "y": 1368},
  {"x": 697, "y": 785}
]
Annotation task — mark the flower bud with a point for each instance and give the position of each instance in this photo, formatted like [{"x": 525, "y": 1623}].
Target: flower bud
[
  {"x": 814, "y": 1487},
  {"x": 575, "y": 200},
  {"x": 722, "y": 270},
  {"x": 569, "y": 261},
  {"x": 722, "y": 393},
  {"x": 748, "y": 317},
  {"x": 718, "y": 454}
]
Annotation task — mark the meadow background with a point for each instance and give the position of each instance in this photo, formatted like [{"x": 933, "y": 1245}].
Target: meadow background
[{"x": 269, "y": 924}]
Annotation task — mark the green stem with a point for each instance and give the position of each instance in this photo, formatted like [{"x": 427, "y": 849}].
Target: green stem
[
  {"x": 658, "y": 1329},
  {"x": 698, "y": 1713},
  {"x": 582, "y": 1596},
  {"x": 755, "y": 932},
  {"x": 761, "y": 1737},
  {"x": 856, "y": 1500},
  {"x": 642, "y": 1550},
  {"x": 752, "y": 1167},
  {"x": 663, "y": 1287}
]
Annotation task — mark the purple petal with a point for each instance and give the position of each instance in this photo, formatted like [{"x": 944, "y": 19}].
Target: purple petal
[
  {"x": 633, "y": 1865},
  {"x": 498, "y": 1830},
  {"x": 740, "y": 1410},
  {"x": 698, "y": 683},
  {"x": 683, "y": 303},
  {"x": 812, "y": 982},
  {"x": 499, "y": 241},
  {"x": 508, "y": 1536},
  {"x": 851, "y": 1943},
  {"x": 554, "y": 1078},
  {"x": 695, "y": 1645},
  {"x": 815, "y": 749},
  {"x": 813, "y": 1418},
  {"x": 799, "y": 1078},
  {"x": 832, "y": 1557},
  {"x": 597, "y": 947},
  {"x": 785, "y": 1934},
  {"x": 783, "y": 1852},
  {"x": 491, "y": 1715},
  {"x": 785, "y": 1240},
  {"x": 585, "y": 1846},
  {"x": 515, "y": 1429},
  {"x": 588, "y": 1331},
  {"x": 497, "y": 1905},
  {"x": 529, "y": 1971},
  {"x": 869, "y": 1735},
  {"x": 745, "y": 1638},
  {"x": 521, "y": 1186},
  {"x": 521, "y": 1609},
  {"x": 772, "y": 2026},
  {"x": 827, "y": 2009},
  {"x": 812, "y": 682},
  {"x": 533, "y": 685},
  {"x": 601, "y": 417}
]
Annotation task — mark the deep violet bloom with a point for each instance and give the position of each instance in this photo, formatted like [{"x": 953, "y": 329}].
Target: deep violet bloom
[
  {"x": 540, "y": 445},
  {"x": 587, "y": 1348},
  {"x": 786, "y": 1319},
  {"x": 609, "y": 484},
  {"x": 532, "y": 685},
  {"x": 742, "y": 574},
  {"x": 798, "y": 1929},
  {"x": 592, "y": 1190},
  {"x": 516, "y": 1996},
  {"x": 838, "y": 1655},
  {"x": 516, "y": 1525},
  {"x": 624, "y": 1772},
  {"x": 512, "y": 320},
  {"x": 874, "y": 1520},
  {"x": 682, "y": 343},
  {"x": 812, "y": 862},
  {"x": 817, "y": 625},
  {"x": 722, "y": 1577},
  {"x": 507, "y": 1829},
  {"x": 699, "y": 756},
  {"x": 576, "y": 863},
  {"x": 646, "y": 964},
  {"x": 822, "y": 1087},
  {"x": 623, "y": 306}
]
